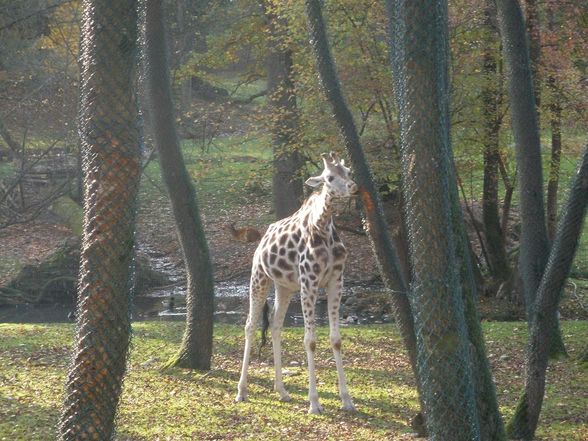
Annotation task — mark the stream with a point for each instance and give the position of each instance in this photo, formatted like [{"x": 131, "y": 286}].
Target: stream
[{"x": 361, "y": 304}]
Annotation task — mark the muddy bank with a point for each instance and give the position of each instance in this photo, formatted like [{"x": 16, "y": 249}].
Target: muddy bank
[{"x": 54, "y": 279}]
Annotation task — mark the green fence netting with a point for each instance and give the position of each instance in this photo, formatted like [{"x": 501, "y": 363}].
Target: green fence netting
[
  {"x": 110, "y": 140},
  {"x": 419, "y": 59}
]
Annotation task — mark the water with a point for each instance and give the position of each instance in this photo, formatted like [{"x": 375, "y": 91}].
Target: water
[
  {"x": 231, "y": 306},
  {"x": 231, "y": 302}
]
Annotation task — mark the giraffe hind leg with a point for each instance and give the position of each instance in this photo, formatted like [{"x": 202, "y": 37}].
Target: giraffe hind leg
[
  {"x": 283, "y": 297},
  {"x": 257, "y": 295},
  {"x": 308, "y": 298},
  {"x": 333, "y": 302}
]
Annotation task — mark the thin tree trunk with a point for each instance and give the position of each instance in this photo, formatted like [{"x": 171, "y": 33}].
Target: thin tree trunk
[
  {"x": 509, "y": 187},
  {"x": 491, "y": 424},
  {"x": 112, "y": 169},
  {"x": 556, "y": 145},
  {"x": 534, "y": 248},
  {"x": 490, "y": 419},
  {"x": 287, "y": 188},
  {"x": 534, "y": 32},
  {"x": 534, "y": 245},
  {"x": 9, "y": 141},
  {"x": 554, "y": 164},
  {"x": 544, "y": 318},
  {"x": 196, "y": 348},
  {"x": 184, "y": 44},
  {"x": 376, "y": 225},
  {"x": 495, "y": 242}
]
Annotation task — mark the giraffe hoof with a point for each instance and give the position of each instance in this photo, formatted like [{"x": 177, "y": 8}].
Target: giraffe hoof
[
  {"x": 240, "y": 398},
  {"x": 285, "y": 397},
  {"x": 348, "y": 407},
  {"x": 316, "y": 410}
]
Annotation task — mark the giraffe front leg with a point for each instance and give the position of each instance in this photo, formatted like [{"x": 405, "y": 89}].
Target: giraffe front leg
[
  {"x": 282, "y": 300},
  {"x": 334, "y": 300},
  {"x": 308, "y": 298}
]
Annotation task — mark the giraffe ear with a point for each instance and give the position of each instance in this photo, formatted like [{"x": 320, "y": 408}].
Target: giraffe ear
[
  {"x": 326, "y": 163},
  {"x": 314, "y": 181}
]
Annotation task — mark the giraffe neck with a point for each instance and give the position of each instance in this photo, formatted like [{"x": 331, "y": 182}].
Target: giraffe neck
[{"x": 322, "y": 209}]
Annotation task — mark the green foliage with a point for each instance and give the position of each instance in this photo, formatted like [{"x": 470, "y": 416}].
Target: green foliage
[
  {"x": 182, "y": 404},
  {"x": 7, "y": 170}
]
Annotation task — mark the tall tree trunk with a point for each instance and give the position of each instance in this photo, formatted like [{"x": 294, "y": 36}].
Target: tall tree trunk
[
  {"x": 555, "y": 162},
  {"x": 112, "y": 169},
  {"x": 555, "y": 123},
  {"x": 184, "y": 44},
  {"x": 544, "y": 318},
  {"x": 490, "y": 419},
  {"x": 376, "y": 225},
  {"x": 495, "y": 241},
  {"x": 461, "y": 404},
  {"x": 533, "y": 25},
  {"x": 534, "y": 248},
  {"x": 287, "y": 188},
  {"x": 196, "y": 348},
  {"x": 509, "y": 187}
]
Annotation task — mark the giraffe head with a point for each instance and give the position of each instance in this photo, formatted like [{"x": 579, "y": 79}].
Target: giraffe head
[{"x": 335, "y": 177}]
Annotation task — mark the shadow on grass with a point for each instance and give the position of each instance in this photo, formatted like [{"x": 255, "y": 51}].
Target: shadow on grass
[
  {"x": 374, "y": 410},
  {"x": 25, "y": 421}
]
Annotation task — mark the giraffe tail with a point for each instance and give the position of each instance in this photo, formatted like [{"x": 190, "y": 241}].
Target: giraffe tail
[{"x": 264, "y": 325}]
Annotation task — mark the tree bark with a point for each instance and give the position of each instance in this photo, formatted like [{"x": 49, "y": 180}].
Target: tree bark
[
  {"x": 490, "y": 419},
  {"x": 556, "y": 145},
  {"x": 495, "y": 242},
  {"x": 544, "y": 318},
  {"x": 196, "y": 349},
  {"x": 373, "y": 213},
  {"x": 287, "y": 188},
  {"x": 112, "y": 168},
  {"x": 10, "y": 141},
  {"x": 461, "y": 404},
  {"x": 533, "y": 25},
  {"x": 184, "y": 43},
  {"x": 534, "y": 244},
  {"x": 555, "y": 162}
]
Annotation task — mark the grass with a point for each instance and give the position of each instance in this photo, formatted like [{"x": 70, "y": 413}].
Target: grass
[
  {"x": 7, "y": 169},
  {"x": 232, "y": 172},
  {"x": 182, "y": 404}
]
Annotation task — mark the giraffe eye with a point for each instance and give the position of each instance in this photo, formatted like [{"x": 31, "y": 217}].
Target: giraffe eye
[{"x": 330, "y": 178}]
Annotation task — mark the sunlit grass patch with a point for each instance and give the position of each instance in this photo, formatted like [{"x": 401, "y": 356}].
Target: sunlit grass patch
[
  {"x": 235, "y": 171},
  {"x": 180, "y": 404}
]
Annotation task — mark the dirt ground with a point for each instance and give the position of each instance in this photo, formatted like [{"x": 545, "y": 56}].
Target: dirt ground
[
  {"x": 32, "y": 243},
  {"x": 231, "y": 258}
]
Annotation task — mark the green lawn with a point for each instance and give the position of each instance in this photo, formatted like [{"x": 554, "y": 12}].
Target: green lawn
[
  {"x": 233, "y": 172},
  {"x": 185, "y": 405}
]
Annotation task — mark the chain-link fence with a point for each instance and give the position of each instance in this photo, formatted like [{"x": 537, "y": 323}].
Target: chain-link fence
[
  {"x": 445, "y": 346},
  {"x": 109, "y": 131},
  {"x": 109, "y": 127},
  {"x": 471, "y": 181}
]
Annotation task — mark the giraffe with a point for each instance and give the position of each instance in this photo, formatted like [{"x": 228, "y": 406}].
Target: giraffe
[{"x": 302, "y": 253}]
